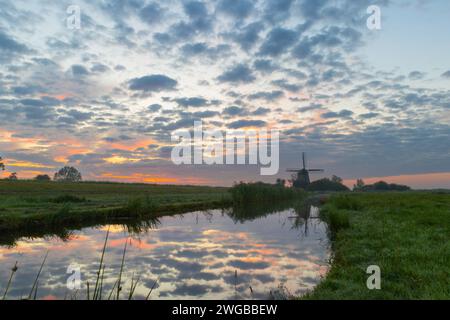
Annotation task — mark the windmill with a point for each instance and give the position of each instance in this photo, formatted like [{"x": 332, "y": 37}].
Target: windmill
[{"x": 301, "y": 178}]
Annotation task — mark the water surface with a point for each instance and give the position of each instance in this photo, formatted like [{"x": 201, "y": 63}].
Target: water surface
[{"x": 200, "y": 255}]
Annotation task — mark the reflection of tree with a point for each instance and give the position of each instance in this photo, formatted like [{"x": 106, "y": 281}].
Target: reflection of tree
[
  {"x": 65, "y": 233},
  {"x": 11, "y": 237},
  {"x": 137, "y": 227},
  {"x": 251, "y": 212},
  {"x": 208, "y": 215}
]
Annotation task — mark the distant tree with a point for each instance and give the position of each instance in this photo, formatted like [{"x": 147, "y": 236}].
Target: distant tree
[
  {"x": 381, "y": 186},
  {"x": 13, "y": 176},
  {"x": 281, "y": 182},
  {"x": 384, "y": 186},
  {"x": 337, "y": 179},
  {"x": 326, "y": 185},
  {"x": 399, "y": 187},
  {"x": 2, "y": 166},
  {"x": 359, "y": 185},
  {"x": 68, "y": 174},
  {"x": 42, "y": 177}
]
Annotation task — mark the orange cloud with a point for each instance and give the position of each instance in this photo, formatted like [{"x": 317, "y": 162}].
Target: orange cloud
[
  {"x": 131, "y": 146},
  {"x": 25, "y": 164},
  {"x": 147, "y": 178},
  {"x": 131, "y": 243},
  {"x": 138, "y": 177},
  {"x": 62, "y": 96}
]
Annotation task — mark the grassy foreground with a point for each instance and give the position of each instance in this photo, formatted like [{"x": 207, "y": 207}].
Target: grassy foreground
[
  {"x": 406, "y": 234},
  {"x": 28, "y": 204}
]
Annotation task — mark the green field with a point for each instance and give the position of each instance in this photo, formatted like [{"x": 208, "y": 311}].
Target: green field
[
  {"x": 406, "y": 234},
  {"x": 32, "y": 204}
]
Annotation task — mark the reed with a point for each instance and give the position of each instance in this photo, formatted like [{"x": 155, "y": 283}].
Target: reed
[
  {"x": 247, "y": 193},
  {"x": 100, "y": 266},
  {"x": 112, "y": 290},
  {"x": 13, "y": 272},
  {"x": 119, "y": 284},
  {"x": 36, "y": 281},
  {"x": 151, "y": 289},
  {"x": 133, "y": 286}
]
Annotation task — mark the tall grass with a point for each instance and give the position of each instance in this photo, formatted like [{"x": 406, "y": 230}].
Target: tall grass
[
  {"x": 347, "y": 202},
  {"x": 13, "y": 272},
  {"x": 97, "y": 282},
  {"x": 336, "y": 213},
  {"x": 246, "y": 193},
  {"x": 337, "y": 220},
  {"x": 36, "y": 281}
]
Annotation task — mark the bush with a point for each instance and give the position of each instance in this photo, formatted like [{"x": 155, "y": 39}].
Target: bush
[
  {"x": 42, "y": 177},
  {"x": 245, "y": 193}
]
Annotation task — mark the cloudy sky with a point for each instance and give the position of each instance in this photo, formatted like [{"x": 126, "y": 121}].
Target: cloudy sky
[{"x": 107, "y": 97}]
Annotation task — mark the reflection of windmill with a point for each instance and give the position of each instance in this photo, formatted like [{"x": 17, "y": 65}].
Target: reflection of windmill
[{"x": 301, "y": 178}]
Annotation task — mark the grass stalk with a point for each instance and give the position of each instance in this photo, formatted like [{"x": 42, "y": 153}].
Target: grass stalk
[
  {"x": 133, "y": 287},
  {"x": 151, "y": 289},
  {"x": 34, "y": 288},
  {"x": 100, "y": 266},
  {"x": 112, "y": 290},
  {"x": 101, "y": 284},
  {"x": 119, "y": 287},
  {"x": 13, "y": 271}
]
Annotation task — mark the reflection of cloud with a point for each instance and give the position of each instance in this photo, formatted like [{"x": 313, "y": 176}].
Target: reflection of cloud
[
  {"x": 187, "y": 253},
  {"x": 191, "y": 290},
  {"x": 248, "y": 265},
  {"x": 132, "y": 242},
  {"x": 192, "y": 255}
]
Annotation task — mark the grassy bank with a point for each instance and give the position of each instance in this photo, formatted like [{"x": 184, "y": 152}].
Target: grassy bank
[
  {"x": 27, "y": 205},
  {"x": 406, "y": 234}
]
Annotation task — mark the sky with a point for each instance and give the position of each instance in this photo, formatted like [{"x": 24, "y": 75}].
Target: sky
[{"x": 106, "y": 98}]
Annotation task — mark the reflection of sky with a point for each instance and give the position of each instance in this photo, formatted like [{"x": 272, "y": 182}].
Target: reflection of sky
[{"x": 192, "y": 256}]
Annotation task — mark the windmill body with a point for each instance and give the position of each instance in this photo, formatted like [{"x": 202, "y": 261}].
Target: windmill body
[{"x": 301, "y": 176}]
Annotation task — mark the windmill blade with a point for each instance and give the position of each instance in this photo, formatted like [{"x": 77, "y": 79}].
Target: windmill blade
[
  {"x": 316, "y": 170},
  {"x": 304, "y": 160}
]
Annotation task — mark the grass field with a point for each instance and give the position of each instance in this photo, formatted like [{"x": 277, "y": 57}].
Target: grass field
[
  {"x": 406, "y": 234},
  {"x": 27, "y": 204}
]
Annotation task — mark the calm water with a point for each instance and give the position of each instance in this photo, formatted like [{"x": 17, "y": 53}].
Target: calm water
[{"x": 200, "y": 255}]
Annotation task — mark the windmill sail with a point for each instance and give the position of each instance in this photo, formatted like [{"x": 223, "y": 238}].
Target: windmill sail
[{"x": 301, "y": 178}]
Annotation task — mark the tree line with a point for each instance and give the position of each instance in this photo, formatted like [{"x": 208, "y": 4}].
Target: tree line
[{"x": 66, "y": 174}]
